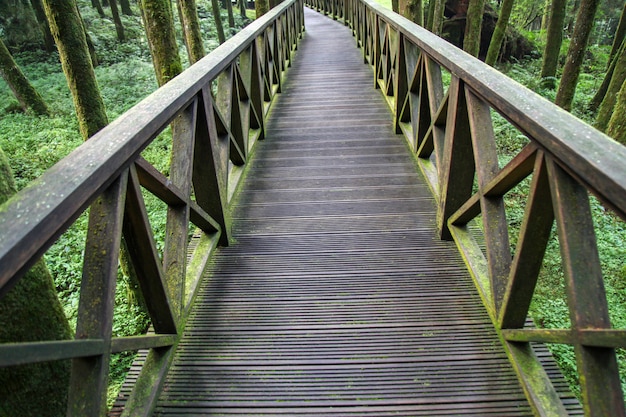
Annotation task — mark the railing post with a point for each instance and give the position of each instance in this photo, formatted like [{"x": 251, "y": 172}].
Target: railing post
[
  {"x": 177, "y": 226},
  {"x": 89, "y": 376},
  {"x": 457, "y": 169},
  {"x": 586, "y": 298}
]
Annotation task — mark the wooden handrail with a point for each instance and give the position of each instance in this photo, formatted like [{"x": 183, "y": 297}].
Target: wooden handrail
[
  {"x": 217, "y": 111},
  {"x": 453, "y": 137}
]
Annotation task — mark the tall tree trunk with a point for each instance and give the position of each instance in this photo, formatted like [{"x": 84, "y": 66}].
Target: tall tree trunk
[
  {"x": 620, "y": 34},
  {"x": 119, "y": 27},
  {"x": 260, "y": 7},
  {"x": 43, "y": 24},
  {"x": 498, "y": 33},
  {"x": 105, "y": 3},
  {"x": 19, "y": 84},
  {"x": 159, "y": 24},
  {"x": 473, "y": 26},
  {"x": 412, "y": 10},
  {"x": 597, "y": 99},
  {"x": 437, "y": 16},
  {"x": 545, "y": 19},
  {"x": 610, "y": 98},
  {"x": 125, "y": 5},
  {"x": 217, "y": 17},
  {"x": 98, "y": 6},
  {"x": 395, "y": 6},
  {"x": 569, "y": 28},
  {"x": 191, "y": 30},
  {"x": 31, "y": 311},
  {"x": 70, "y": 36},
  {"x": 228, "y": 5},
  {"x": 553, "y": 43},
  {"x": 576, "y": 53},
  {"x": 242, "y": 8},
  {"x": 617, "y": 124}
]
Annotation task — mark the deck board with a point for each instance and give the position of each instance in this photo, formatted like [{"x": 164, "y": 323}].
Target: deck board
[{"x": 336, "y": 297}]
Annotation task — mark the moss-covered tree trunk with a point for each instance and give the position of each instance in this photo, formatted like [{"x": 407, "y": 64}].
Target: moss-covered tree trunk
[
  {"x": 217, "y": 18},
  {"x": 25, "y": 93},
  {"x": 576, "y": 53},
  {"x": 191, "y": 30},
  {"x": 119, "y": 27},
  {"x": 98, "y": 6},
  {"x": 601, "y": 93},
  {"x": 19, "y": 24},
  {"x": 159, "y": 24},
  {"x": 260, "y": 7},
  {"x": 620, "y": 34},
  {"x": 228, "y": 5},
  {"x": 242, "y": 8},
  {"x": 498, "y": 33},
  {"x": 412, "y": 10},
  {"x": 31, "y": 311},
  {"x": 473, "y": 26},
  {"x": 554, "y": 39},
  {"x": 435, "y": 19},
  {"x": 69, "y": 34},
  {"x": 618, "y": 77},
  {"x": 617, "y": 124},
  {"x": 545, "y": 19},
  {"x": 395, "y": 6},
  {"x": 126, "y": 9},
  {"x": 43, "y": 24}
]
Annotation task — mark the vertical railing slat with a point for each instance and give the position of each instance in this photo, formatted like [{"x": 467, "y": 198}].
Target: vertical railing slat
[{"x": 89, "y": 376}]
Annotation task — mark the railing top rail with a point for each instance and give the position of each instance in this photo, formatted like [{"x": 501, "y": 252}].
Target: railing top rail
[
  {"x": 588, "y": 154},
  {"x": 44, "y": 209}
]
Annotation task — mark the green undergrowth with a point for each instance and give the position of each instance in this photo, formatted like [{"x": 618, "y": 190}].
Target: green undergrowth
[{"x": 35, "y": 143}]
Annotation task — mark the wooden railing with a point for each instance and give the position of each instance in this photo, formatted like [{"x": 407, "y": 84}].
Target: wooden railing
[
  {"x": 452, "y": 135},
  {"x": 217, "y": 110}
]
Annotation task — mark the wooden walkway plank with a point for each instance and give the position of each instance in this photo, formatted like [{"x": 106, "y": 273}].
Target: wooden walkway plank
[{"x": 337, "y": 298}]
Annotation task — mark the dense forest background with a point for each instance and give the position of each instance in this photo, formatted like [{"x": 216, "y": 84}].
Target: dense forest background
[{"x": 583, "y": 69}]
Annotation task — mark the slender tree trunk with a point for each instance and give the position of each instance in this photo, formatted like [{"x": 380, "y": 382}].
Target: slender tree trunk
[
  {"x": 70, "y": 36},
  {"x": 260, "y": 7},
  {"x": 98, "y": 6},
  {"x": 437, "y": 16},
  {"x": 473, "y": 27},
  {"x": 576, "y": 53},
  {"x": 125, "y": 5},
  {"x": 242, "y": 9},
  {"x": 429, "y": 15},
  {"x": 413, "y": 10},
  {"x": 610, "y": 98},
  {"x": 553, "y": 43},
  {"x": 395, "y": 6},
  {"x": 545, "y": 19},
  {"x": 19, "y": 84},
  {"x": 617, "y": 124},
  {"x": 569, "y": 28},
  {"x": 597, "y": 99},
  {"x": 191, "y": 30},
  {"x": 228, "y": 5},
  {"x": 43, "y": 24},
  {"x": 31, "y": 311},
  {"x": 498, "y": 34},
  {"x": 119, "y": 27},
  {"x": 620, "y": 34},
  {"x": 159, "y": 24},
  {"x": 217, "y": 17}
]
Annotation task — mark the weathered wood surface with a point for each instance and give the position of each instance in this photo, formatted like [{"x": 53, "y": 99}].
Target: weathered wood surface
[{"x": 337, "y": 296}]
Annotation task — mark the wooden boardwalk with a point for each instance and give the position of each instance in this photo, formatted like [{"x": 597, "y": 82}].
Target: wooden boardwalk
[{"x": 336, "y": 296}]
